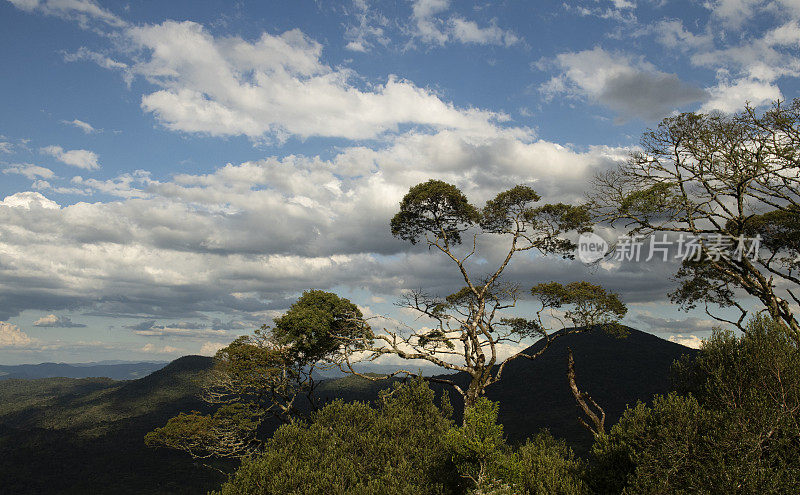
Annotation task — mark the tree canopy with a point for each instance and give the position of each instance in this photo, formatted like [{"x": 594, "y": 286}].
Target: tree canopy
[{"x": 731, "y": 183}]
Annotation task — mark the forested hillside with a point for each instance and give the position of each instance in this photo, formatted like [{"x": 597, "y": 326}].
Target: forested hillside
[{"x": 86, "y": 435}]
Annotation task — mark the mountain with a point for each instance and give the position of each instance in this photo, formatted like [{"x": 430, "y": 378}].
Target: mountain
[
  {"x": 614, "y": 371},
  {"x": 115, "y": 370},
  {"x": 535, "y": 394},
  {"x": 63, "y": 435}
]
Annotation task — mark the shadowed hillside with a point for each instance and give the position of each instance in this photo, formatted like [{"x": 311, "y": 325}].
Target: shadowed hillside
[{"x": 62, "y": 435}]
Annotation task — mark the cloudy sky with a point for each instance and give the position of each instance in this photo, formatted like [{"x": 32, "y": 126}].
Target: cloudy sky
[{"x": 173, "y": 174}]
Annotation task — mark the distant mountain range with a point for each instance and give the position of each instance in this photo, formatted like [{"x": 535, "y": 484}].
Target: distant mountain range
[
  {"x": 116, "y": 370},
  {"x": 67, "y": 435}
]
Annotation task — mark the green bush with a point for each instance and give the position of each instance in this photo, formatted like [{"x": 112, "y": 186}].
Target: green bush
[
  {"x": 394, "y": 448},
  {"x": 735, "y": 431},
  {"x": 487, "y": 465}
]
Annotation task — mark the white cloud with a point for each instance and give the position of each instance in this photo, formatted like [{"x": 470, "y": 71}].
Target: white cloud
[
  {"x": 627, "y": 85},
  {"x": 369, "y": 30},
  {"x": 6, "y": 147},
  {"x": 672, "y": 34},
  {"x": 29, "y": 200},
  {"x": 29, "y": 170},
  {"x": 103, "y": 61},
  {"x": 86, "y": 127},
  {"x": 429, "y": 28},
  {"x": 734, "y": 13},
  {"x": 731, "y": 97},
  {"x": 54, "y": 321},
  {"x": 78, "y": 158},
  {"x": 246, "y": 238},
  {"x": 692, "y": 341},
  {"x": 211, "y": 348},
  {"x": 688, "y": 325},
  {"x": 153, "y": 349},
  {"x": 79, "y": 10},
  {"x": 275, "y": 87},
  {"x": 469, "y": 32},
  {"x": 12, "y": 336}
]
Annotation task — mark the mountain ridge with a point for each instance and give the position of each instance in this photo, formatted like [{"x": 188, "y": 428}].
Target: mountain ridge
[{"x": 92, "y": 429}]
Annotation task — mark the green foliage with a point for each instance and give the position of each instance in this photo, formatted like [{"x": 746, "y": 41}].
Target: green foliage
[
  {"x": 249, "y": 364},
  {"x": 314, "y": 326},
  {"x": 544, "y": 466},
  {"x": 436, "y": 208},
  {"x": 779, "y": 231},
  {"x": 395, "y": 447},
  {"x": 477, "y": 449},
  {"x": 229, "y": 432},
  {"x": 653, "y": 449},
  {"x": 61, "y": 435},
  {"x": 499, "y": 213},
  {"x": 718, "y": 178},
  {"x": 268, "y": 372},
  {"x": 487, "y": 465},
  {"x": 553, "y": 220},
  {"x": 588, "y": 305},
  {"x": 737, "y": 431},
  {"x": 650, "y": 202}
]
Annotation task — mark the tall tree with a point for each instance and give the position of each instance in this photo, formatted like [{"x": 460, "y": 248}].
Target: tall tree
[
  {"x": 467, "y": 328},
  {"x": 730, "y": 184},
  {"x": 270, "y": 373}
]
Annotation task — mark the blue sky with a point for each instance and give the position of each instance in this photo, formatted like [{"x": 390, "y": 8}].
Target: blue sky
[{"x": 173, "y": 174}]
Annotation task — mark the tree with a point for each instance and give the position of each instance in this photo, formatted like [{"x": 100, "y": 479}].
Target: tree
[
  {"x": 486, "y": 464},
  {"x": 730, "y": 183},
  {"x": 270, "y": 373},
  {"x": 467, "y": 326},
  {"x": 396, "y": 446},
  {"x": 734, "y": 431}
]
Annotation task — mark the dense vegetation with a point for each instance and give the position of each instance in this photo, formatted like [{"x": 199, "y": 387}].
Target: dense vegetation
[
  {"x": 85, "y": 436},
  {"x": 731, "y": 426}
]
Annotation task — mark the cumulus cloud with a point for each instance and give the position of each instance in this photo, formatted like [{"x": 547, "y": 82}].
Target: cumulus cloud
[
  {"x": 246, "y": 239},
  {"x": 29, "y": 170},
  {"x": 275, "y": 87},
  {"x": 53, "y": 321},
  {"x": 12, "y": 336},
  {"x": 627, "y": 85},
  {"x": 77, "y": 158},
  {"x": 749, "y": 71},
  {"x": 29, "y": 200},
  {"x": 732, "y": 96}
]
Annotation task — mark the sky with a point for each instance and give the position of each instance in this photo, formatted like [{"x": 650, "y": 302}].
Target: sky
[{"x": 175, "y": 174}]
